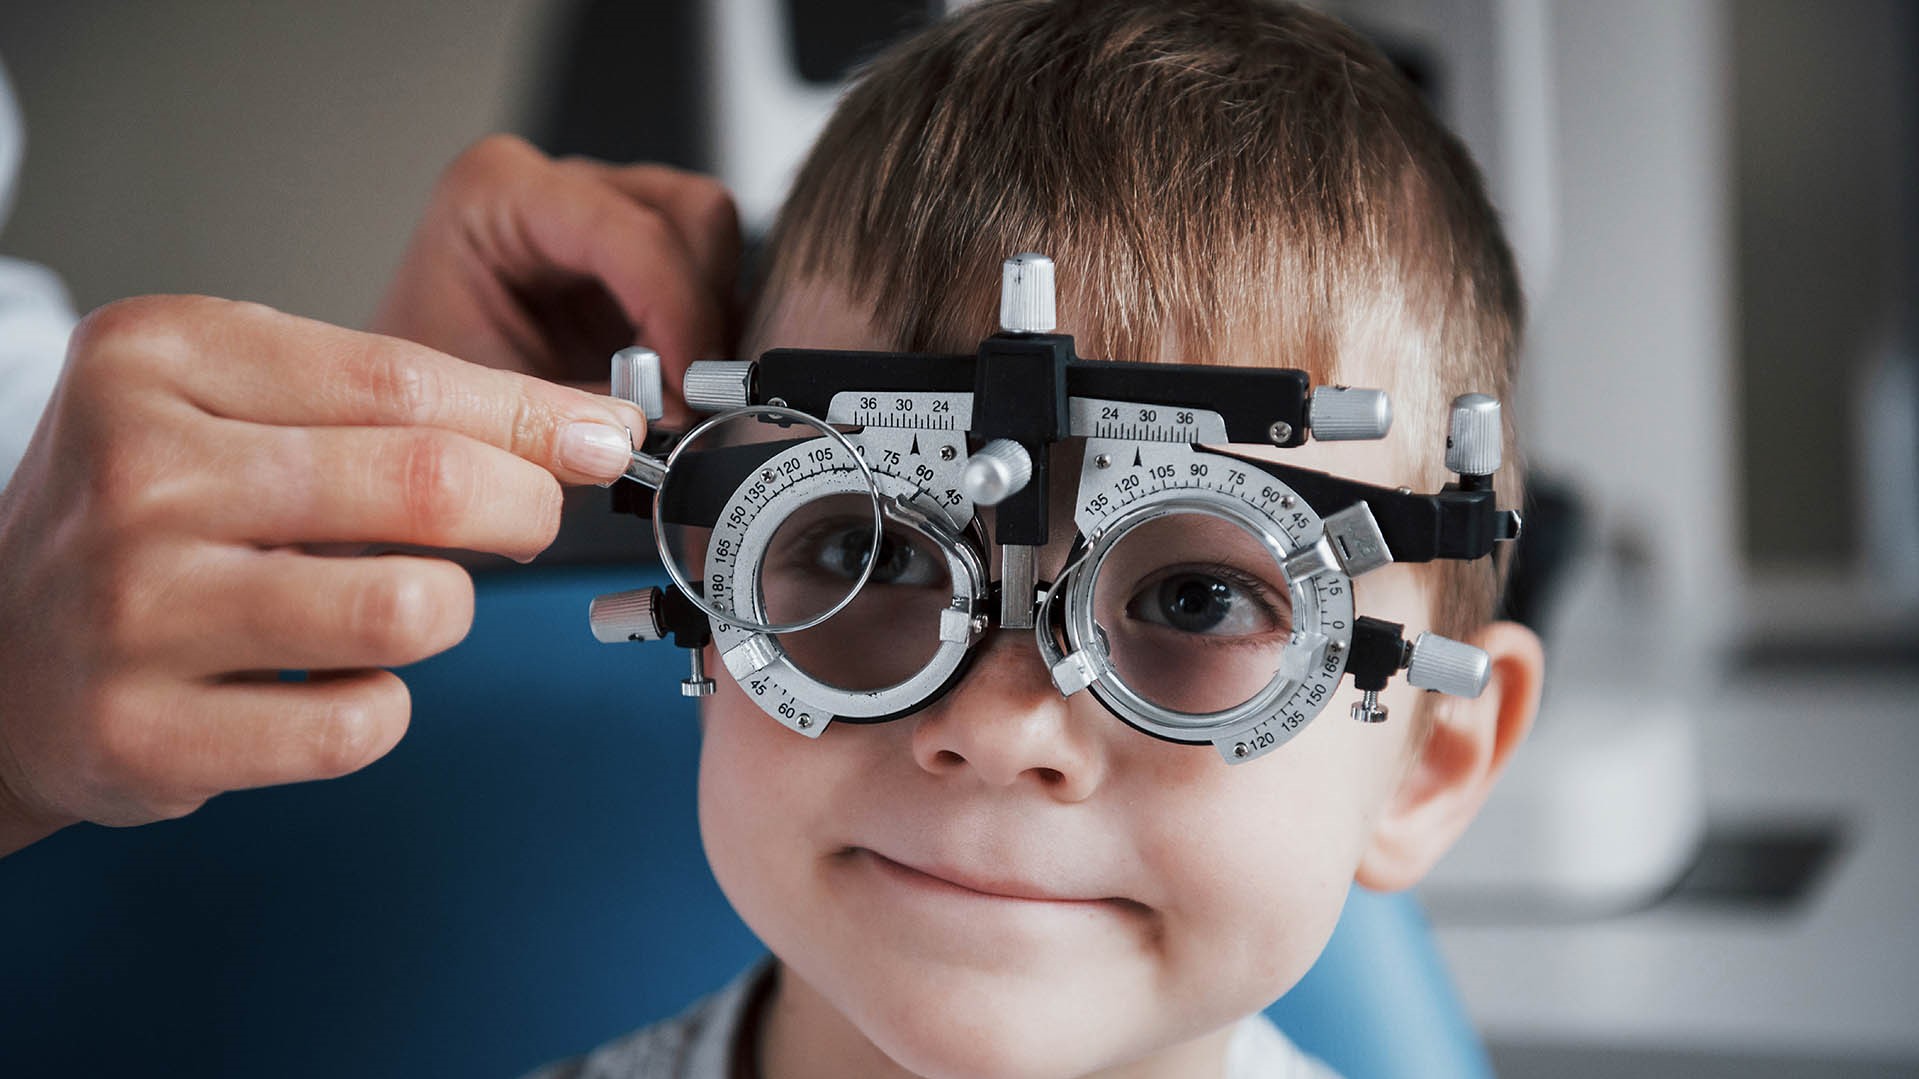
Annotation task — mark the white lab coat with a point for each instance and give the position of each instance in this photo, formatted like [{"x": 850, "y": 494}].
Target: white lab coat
[{"x": 35, "y": 314}]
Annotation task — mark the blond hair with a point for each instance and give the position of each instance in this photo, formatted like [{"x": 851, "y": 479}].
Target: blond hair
[{"x": 1219, "y": 181}]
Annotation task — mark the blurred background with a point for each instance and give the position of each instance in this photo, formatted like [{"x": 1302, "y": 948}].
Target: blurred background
[{"x": 1706, "y": 860}]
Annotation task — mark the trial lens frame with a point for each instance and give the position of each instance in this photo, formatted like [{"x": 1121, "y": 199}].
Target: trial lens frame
[{"x": 1148, "y": 428}]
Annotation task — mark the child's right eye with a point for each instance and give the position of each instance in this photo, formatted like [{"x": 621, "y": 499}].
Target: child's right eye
[
  {"x": 845, "y": 550},
  {"x": 840, "y": 549},
  {"x": 1215, "y": 601}
]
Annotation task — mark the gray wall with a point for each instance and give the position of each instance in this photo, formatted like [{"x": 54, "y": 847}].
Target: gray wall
[
  {"x": 1824, "y": 98},
  {"x": 276, "y": 152}
]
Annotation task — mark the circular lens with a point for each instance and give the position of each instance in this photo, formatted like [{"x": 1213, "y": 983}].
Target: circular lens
[
  {"x": 1195, "y": 611},
  {"x": 891, "y": 630},
  {"x": 733, "y": 487}
]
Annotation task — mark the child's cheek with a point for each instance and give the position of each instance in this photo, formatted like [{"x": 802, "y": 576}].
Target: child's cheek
[
  {"x": 1260, "y": 857},
  {"x": 747, "y": 797}
]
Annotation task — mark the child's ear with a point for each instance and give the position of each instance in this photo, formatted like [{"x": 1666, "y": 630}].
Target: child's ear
[{"x": 1466, "y": 747}]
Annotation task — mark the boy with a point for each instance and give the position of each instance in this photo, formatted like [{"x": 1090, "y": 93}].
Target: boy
[{"x": 1012, "y": 883}]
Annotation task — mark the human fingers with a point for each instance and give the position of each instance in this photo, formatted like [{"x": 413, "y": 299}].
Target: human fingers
[
  {"x": 573, "y": 220},
  {"x": 419, "y": 486},
  {"x": 249, "y": 362},
  {"x": 530, "y": 220},
  {"x": 699, "y": 208},
  {"x": 244, "y": 609},
  {"x": 177, "y": 744}
]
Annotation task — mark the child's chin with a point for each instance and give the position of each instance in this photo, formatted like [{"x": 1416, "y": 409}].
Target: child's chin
[
  {"x": 978, "y": 1031},
  {"x": 962, "y": 1052}
]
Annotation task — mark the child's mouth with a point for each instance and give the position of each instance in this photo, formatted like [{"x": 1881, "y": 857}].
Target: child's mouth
[{"x": 962, "y": 883}]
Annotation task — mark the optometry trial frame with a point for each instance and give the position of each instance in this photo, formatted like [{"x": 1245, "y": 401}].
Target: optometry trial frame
[{"x": 831, "y": 548}]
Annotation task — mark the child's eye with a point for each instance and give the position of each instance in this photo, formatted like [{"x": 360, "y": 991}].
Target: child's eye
[
  {"x": 842, "y": 550},
  {"x": 1215, "y": 601}
]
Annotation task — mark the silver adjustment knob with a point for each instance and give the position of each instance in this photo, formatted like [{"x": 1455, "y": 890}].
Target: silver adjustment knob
[
  {"x": 697, "y": 684},
  {"x": 636, "y": 378},
  {"x": 1367, "y": 708},
  {"x": 1448, "y": 666},
  {"x": 719, "y": 385},
  {"x": 1026, "y": 295},
  {"x": 996, "y": 473},
  {"x": 626, "y": 616},
  {"x": 1343, "y": 414},
  {"x": 1474, "y": 438}
]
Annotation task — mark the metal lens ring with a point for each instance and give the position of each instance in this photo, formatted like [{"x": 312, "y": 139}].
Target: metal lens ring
[
  {"x": 1082, "y": 620},
  {"x": 1205, "y": 501},
  {"x": 867, "y": 482},
  {"x": 788, "y": 678}
]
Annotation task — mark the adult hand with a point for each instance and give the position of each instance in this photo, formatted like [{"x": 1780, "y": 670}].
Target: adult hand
[
  {"x": 155, "y": 558},
  {"x": 530, "y": 264}
]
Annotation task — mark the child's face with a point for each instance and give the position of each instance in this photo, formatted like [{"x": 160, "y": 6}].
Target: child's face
[{"x": 1011, "y": 882}]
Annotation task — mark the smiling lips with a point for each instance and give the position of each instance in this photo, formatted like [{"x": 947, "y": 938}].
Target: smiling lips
[{"x": 960, "y": 882}]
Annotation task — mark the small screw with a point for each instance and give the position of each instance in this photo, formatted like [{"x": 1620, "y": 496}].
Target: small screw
[
  {"x": 1288, "y": 502},
  {"x": 947, "y": 453},
  {"x": 1104, "y": 460},
  {"x": 1404, "y": 490},
  {"x": 1367, "y": 708},
  {"x": 1239, "y": 750},
  {"x": 979, "y": 623},
  {"x": 776, "y": 402},
  {"x": 1335, "y": 646},
  {"x": 805, "y": 722},
  {"x": 696, "y": 684},
  {"x": 1279, "y": 432}
]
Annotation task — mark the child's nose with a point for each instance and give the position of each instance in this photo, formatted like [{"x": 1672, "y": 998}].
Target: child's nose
[{"x": 1006, "y": 725}]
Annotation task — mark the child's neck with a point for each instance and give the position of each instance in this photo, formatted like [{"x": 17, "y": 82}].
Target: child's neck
[{"x": 801, "y": 1035}]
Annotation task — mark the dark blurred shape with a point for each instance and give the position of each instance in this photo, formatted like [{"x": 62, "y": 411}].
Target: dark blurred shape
[
  {"x": 1414, "y": 60},
  {"x": 1873, "y": 649},
  {"x": 1823, "y": 101},
  {"x": 829, "y": 38},
  {"x": 1546, "y": 549},
  {"x": 1766, "y": 866},
  {"x": 627, "y": 81},
  {"x": 627, "y": 84}
]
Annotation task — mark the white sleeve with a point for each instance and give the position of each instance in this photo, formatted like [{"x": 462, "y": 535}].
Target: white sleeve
[
  {"x": 35, "y": 316},
  {"x": 35, "y": 319}
]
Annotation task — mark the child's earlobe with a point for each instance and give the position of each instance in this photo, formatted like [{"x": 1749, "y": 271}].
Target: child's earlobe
[{"x": 1466, "y": 746}]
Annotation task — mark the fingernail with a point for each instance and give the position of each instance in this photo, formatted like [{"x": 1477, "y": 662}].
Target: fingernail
[
  {"x": 595, "y": 449},
  {"x": 634, "y": 417}
]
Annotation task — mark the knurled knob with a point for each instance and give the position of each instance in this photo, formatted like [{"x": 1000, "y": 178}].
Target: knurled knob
[
  {"x": 618, "y": 617},
  {"x": 1344, "y": 414},
  {"x": 1026, "y": 294},
  {"x": 1474, "y": 438},
  {"x": 719, "y": 385},
  {"x": 1448, "y": 666},
  {"x": 636, "y": 378},
  {"x": 996, "y": 472}
]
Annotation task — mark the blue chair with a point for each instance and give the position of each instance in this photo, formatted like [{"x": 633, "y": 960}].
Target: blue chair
[{"x": 520, "y": 880}]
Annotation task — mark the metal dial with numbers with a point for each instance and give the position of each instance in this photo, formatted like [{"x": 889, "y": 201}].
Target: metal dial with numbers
[
  {"x": 916, "y": 411},
  {"x": 1091, "y": 417}
]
